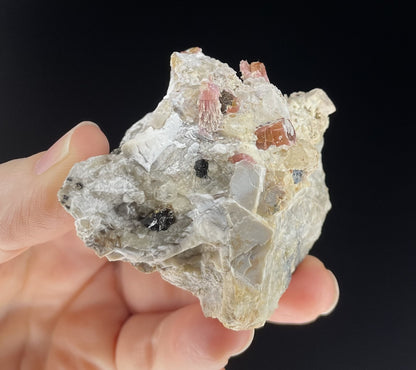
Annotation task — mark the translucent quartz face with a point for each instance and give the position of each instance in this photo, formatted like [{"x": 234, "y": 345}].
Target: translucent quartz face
[{"x": 220, "y": 188}]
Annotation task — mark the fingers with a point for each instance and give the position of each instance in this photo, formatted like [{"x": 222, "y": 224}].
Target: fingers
[
  {"x": 313, "y": 291},
  {"x": 29, "y": 210},
  {"x": 149, "y": 292},
  {"x": 183, "y": 339},
  {"x": 81, "y": 332}
]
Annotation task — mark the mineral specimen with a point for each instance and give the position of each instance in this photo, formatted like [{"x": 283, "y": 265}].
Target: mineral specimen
[{"x": 220, "y": 189}]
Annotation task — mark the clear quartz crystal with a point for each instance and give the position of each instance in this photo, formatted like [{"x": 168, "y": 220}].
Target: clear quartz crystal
[{"x": 220, "y": 188}]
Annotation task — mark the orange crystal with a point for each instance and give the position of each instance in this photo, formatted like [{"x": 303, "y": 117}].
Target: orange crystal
[
  {"x": 277, "y": 133},
  {"x": 241, "y": 157},
  {"x": 235, "y": 106},
  {"x": 254, "y": 69},
  {"x": 193, "y": 50}
]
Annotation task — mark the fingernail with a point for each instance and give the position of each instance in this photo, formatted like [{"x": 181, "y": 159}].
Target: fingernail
[
  {"x": 58, "y": 151},
  {"x": 246, "y": 337},
  {"x": 332, "y": 307}
]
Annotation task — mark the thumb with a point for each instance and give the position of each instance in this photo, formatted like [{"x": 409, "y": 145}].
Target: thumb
[{"x": 30, "y": 213}]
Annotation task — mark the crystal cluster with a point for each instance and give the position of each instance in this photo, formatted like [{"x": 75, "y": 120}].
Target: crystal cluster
[{"x": 220, "y": 188}]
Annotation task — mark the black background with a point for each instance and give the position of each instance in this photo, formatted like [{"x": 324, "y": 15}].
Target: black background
[{"x": 63, "y": 62}]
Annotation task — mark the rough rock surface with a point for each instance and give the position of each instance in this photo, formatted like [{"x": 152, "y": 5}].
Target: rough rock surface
[{"x": 220, "y": 189}]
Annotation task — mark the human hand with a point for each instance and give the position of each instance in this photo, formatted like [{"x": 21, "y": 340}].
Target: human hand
[{"x": 62, "y": 307}]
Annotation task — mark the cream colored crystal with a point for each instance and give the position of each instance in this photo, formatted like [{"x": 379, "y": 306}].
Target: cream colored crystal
[{"x": 220, "y": 189}]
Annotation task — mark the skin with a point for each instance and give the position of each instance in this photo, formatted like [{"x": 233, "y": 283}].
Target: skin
[{"x": 62, "y": 307}]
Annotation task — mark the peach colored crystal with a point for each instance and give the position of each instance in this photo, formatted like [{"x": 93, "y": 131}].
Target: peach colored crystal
[
  {"x": 241, "y": 157},
  {"x": 254, "y": 69},
  {"x": 277, "y": 133}
]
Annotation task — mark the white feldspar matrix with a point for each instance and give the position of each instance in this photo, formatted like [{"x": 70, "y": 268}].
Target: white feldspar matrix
[{"x": 220, "y": 188}]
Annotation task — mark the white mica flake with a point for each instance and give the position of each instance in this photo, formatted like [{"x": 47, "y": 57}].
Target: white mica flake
[
  {"x": 221, "y": 188},
  {"x": 246, "y": 184},
  {"x": 147, "y": 147}
]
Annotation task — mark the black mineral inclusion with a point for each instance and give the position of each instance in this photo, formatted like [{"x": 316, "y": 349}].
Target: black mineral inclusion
[
  {"x": 201, "y": 168},
  {"x": 160, "y": 220}
]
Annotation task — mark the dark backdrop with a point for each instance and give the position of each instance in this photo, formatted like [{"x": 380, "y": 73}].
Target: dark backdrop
[{"x": 63, "y": 62}]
